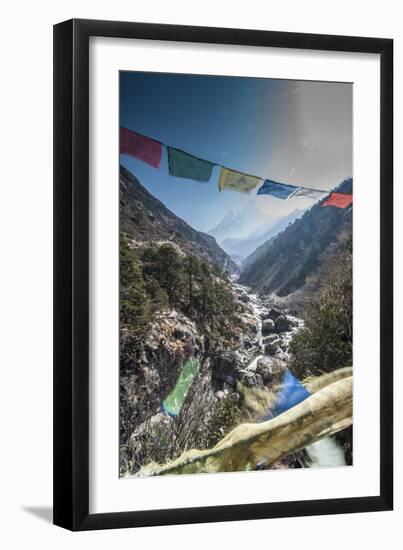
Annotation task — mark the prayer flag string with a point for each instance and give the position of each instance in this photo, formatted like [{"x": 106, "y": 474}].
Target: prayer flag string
[{"x": 182, "y": 164}]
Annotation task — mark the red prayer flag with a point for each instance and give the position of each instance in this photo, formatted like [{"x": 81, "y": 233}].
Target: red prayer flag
[
  {"x": 140, "y": 147},
  {"x": 340, "y": 200}
]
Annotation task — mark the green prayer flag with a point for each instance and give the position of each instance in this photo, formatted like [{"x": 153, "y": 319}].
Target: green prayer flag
[
  {"x": 184, "y": 165},
  {"x": 237, "y": 181},
  {"x": 173, "y": 403}
]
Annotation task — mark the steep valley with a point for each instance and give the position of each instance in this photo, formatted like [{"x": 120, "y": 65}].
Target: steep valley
[
  {"x": 182, "y": 299},
  {"x": 282, "y": 265}
]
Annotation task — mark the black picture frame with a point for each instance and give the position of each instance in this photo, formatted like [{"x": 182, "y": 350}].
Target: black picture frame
[{"x": 71, "y": 274}]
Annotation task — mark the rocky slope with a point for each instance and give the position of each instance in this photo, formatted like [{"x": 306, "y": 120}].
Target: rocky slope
[
  {"x": 231, "y": 386},
  {"x": 282, "y": 265},
  {"x": 148, "y": 434},
  {"x": 146, "y": 220},
  {"x": 188, "y": 307}
]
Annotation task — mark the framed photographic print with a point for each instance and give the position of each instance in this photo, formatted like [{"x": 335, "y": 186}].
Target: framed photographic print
[{"x": 223, "y": 321}]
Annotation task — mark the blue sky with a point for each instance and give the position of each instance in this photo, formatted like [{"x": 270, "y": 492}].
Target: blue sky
[{"x": 296, "y": 132}]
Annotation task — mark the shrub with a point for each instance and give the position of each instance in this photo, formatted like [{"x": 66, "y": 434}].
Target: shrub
[
  {"x": 325, "y": 343},
  {"x": 225, "y": 415}
]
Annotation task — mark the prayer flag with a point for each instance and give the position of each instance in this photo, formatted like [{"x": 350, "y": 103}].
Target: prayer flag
[
  {"x": 140, "y": 147},
  {"x": 290, "y": 394},
  {"x": 184, "y": 165},
  {"x": 310, "y": 193},
  {"x": 340, "y": 200},
  {"x": 278, "y": 190},
  {"x": 173, "y": 403},
  {"x": 237, "y": 181}
]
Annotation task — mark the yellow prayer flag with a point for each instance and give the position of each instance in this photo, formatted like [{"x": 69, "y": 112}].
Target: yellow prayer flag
[{"x": 230, "y": 179}]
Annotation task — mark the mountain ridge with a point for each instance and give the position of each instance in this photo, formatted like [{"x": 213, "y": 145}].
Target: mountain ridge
[
  {"x": 282, "y": 265},
  {"x": 145, "y": 219},
  {"x": 240, "y": 224},
  {"x": 243, "y": 247}
]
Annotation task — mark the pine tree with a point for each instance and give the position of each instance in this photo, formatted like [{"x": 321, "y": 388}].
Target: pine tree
[
  {"x": 164, "y": 264},
  {"x": 134, "y": 303}
]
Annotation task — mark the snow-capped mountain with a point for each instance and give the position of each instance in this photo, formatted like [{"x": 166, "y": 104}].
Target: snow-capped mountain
[
  {"x": 242, "y": 247},
  {"x": 241, "y": 224}
]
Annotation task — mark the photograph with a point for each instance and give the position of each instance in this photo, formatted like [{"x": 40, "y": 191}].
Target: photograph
[
  {"x": 235, "y": 262},
  {"x": 200, "y": 275}
]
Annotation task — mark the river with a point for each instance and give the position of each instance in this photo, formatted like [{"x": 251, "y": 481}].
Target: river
[{"x": 326, "y": 452}]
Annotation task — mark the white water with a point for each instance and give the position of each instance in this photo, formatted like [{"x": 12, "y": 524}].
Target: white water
[
  {"x": 324, "y": 453},
  {"x": 257, "y": 311}
]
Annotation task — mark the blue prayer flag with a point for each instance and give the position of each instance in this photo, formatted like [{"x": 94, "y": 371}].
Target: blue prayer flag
[
  {"x": 291, "y": 393},
  {"x": 278, "y": 190}
]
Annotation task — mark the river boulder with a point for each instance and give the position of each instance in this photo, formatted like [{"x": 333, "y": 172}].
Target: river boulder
[
  {"x": 268, "y": 326},
  {"x": 273, "y": 314},
  {"x": 283, "y": 324},
  {"x": 270, "y": 338},
  {"x": 271, "y": 348},
  {"x": 264, "y": 314}
]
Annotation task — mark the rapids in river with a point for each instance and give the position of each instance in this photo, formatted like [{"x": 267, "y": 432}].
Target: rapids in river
[{"x": 326, "y": 452}]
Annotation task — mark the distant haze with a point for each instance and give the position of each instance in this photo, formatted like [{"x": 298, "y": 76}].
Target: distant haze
[{"x": 294, "y": 132}]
